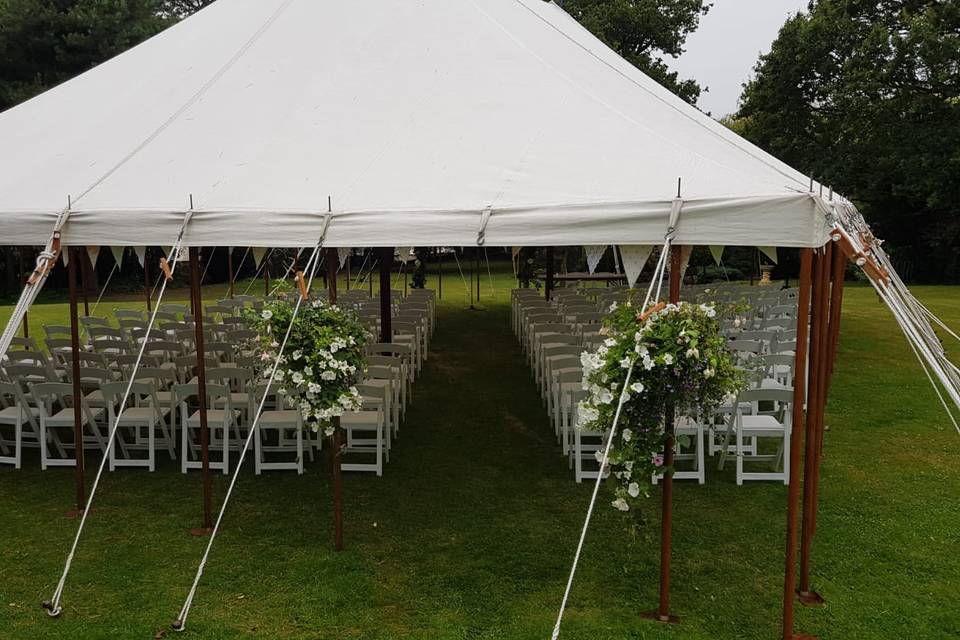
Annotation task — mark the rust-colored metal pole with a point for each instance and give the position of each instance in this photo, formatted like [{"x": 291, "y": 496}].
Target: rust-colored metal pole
[
  {"x": 666, "y": 515},
  {"x": 72, "y": 258},
  {"x": 796, "y": 435},
  {"x": 201, "y": 387},
  {"x": 230, "y": 269},
  {"x": 332, "y": 262},
  {"x": 146, "y": 280},
  {"x": 386, "y": 311},
  {"x": 818, "y": 354},
  {"x": 836, "y": 307},
  {"x": 84, "y": 279},
  {"x": 24, "y": 274},
  {"x": 548, "y": 286}
]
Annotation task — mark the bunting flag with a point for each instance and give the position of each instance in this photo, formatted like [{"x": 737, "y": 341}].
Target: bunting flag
[
  {"x": 634, "y": 257},
  {"x": 515, "y": 252},
  {"x": 685, "y": 252},
  {"x": 403, "y": 254},
  {"x": 716, "y": 250},
  {"x": 118, "y": 256},
  {"x": 64, "y": 255},
  {"x": 343, "y": 253},
  {"x": 594, "y": 255},
  {"x": 93, "y": 251},
  {"x": 770, "y": 252},
  {"x": 141, "y": 254},
  {"x": 258, "y": 253}
]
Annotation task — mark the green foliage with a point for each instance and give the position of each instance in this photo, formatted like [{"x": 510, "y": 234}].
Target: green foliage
[
  {"x": 641, "y": 30},
  {"x": 419, "y": 279},
  {"x": 866, "y": 96},
  {"x": 668, "y": 359},
  {"x": 323, "y": 360}
]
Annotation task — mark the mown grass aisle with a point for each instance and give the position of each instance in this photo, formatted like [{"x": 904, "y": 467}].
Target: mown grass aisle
[{"x": 471, "y": 531}]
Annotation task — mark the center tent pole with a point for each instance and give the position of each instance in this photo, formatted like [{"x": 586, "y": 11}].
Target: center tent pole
[
  {"x": 796, "y": 435},
  {"x": 386, "y": 311},
  {"x": 84, "y": 280},
  {"x": 666, "y": 518},
  {"x": 72, "y": 257},
  {"x": 201, "y": 391}
]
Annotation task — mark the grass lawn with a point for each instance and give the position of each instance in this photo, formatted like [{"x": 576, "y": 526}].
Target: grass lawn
[{"x": 471, "y": 531}]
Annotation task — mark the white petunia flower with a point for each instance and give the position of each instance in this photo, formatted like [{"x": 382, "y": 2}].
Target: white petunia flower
[
  {"x": 267, "y": 314},
  {"x": 637, "y": 387},
  {"x": 627, "y": 435},
  {"x": 668, "y": 359},
  {"x": 633, "y": 489},
  {"x": 693, "y": 352},
  {"x": 620, "y": 504},
  {"x": 328, "y": 375}
]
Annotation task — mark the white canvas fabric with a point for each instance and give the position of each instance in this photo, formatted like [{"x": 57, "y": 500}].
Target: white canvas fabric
[{"x": 414, "y": 118}]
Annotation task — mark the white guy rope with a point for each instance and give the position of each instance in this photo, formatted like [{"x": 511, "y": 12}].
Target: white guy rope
[
  {"x": 489, "y": 273},
  {"x": 181, "y": 621},
  {"x": 256, "y": 276},
  {"x": 104, "y": 288},
  {"x": 462, "y": 277},
  {"x": 359, "y": 281},
  {"x": 606, "y": 449},
  {"x": 53, "y": 607}
]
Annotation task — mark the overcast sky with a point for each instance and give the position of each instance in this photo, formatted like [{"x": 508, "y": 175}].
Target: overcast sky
[{"x": 721, "y": 54}]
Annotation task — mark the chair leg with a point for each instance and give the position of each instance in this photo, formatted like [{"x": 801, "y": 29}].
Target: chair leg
[
  {"x": 257, "y": 450},
  {"x": 299, "y": 451},
  {"x": 739, "y": 457}
]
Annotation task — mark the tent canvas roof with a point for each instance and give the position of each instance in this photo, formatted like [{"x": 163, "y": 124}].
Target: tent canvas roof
[{"x": 421, "y": 121}]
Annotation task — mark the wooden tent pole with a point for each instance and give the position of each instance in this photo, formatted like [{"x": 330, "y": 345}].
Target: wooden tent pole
[
  {"x": 201, "y": 391},
  {"x": 72, "y": 258},
  {"x": 815, "y": 422},
  {"x": 146, "y": 280},
  {"x": 796, "y": 435},
  {"x": 548, "y": 285},
  {"x": 666, "y": 484},
  {"x": 84, "y": 279},
  {"x": 230, "y": 269},
  {"x": 332, "y": 262},
  {"x": 21, "y": 252},
  {"x": 836, "y": 307},
  {"x": 386, "y": 312}
]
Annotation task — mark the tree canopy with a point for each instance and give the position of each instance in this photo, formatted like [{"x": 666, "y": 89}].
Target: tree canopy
[
  {"x": 643, "y": 31},
  {"x": 865, "y": 95}
]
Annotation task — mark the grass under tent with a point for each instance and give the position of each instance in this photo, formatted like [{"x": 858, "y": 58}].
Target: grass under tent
[{"x": 471, "y": 531}]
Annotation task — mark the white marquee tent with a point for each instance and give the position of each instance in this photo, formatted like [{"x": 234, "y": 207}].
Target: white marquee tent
[{"x": 421, "y": 121}]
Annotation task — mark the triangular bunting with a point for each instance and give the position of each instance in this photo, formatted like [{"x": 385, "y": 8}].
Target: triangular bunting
[
  {"x": 770, "y": 252},
  {"x": 403, "y": 254},
  {"x": 634, "y": 258},
  {"x": 117, "y": 256},
  {"x": 685, "y": 252},
  {"x": 64, "y": 255},
  {"x": 515, "y": 251},
  {"x": 716, "y": 250},
  {"x": 93, "y": 251},
  {"x": 258, "y": 253},
  {"x": 594, "y": 255},
  {"x": 141, "y": 254},
  {"x": 343, "y": 253}
]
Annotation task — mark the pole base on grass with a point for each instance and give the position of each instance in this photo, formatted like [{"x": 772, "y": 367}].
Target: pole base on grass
[
  {"x": 199, "y": 532},
  {"x": 810, "y": 599},
  {"x": 51, "y": 611},
  {"x": 656, "y": 617},
  {"x": 805, "y": 636},
  {"x": 177, "y": 625}
]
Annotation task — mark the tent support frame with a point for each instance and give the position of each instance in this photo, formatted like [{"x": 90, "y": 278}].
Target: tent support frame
[
  {"x": 195, "y": 295},
  {"x": 796, "y": 442}
]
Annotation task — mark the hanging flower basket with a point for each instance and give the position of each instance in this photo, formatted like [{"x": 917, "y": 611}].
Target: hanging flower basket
[
  {"x": 680, "y": 362},
  {"x": 323, "y": 360}
]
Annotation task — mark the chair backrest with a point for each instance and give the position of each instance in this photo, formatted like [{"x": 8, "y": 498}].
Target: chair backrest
[
  {"x": 11, "y": 395},
  {"x": 237, "y": 378},
  {"x": 52, "y": 330},
  {"x": 113, "y": 393},
  {"x": 129, "y": 314},
  {"x": 781, "y": 398},
  {"x": 23, "y": 374},
  {"x": 388, "y": 348},
  {"x": 184, "y": 392},
  {"x": 162, "y": 378},
  {"x": 91, "y": 376},
  {"x": 19, "y": 342},
  {"x": 94, "y": 321}
]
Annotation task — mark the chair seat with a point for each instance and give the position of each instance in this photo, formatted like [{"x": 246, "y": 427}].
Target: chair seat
[
  {"x": 214, "y": 416},
  {"x": 284, "y": 418},
  {"x": 64, "y": 417},
  {"x": 760, "y": 425},
  {"x": 10, "y": 415},
  {"x": 135, "y": 416},
  {"x": 360, "y": 419}
]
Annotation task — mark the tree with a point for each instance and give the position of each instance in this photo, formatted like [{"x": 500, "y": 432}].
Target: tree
[
  {"x": 45, "y": 42},
  {"x": 642, "y": 31},
  {"x": 865, "y": 95}
]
